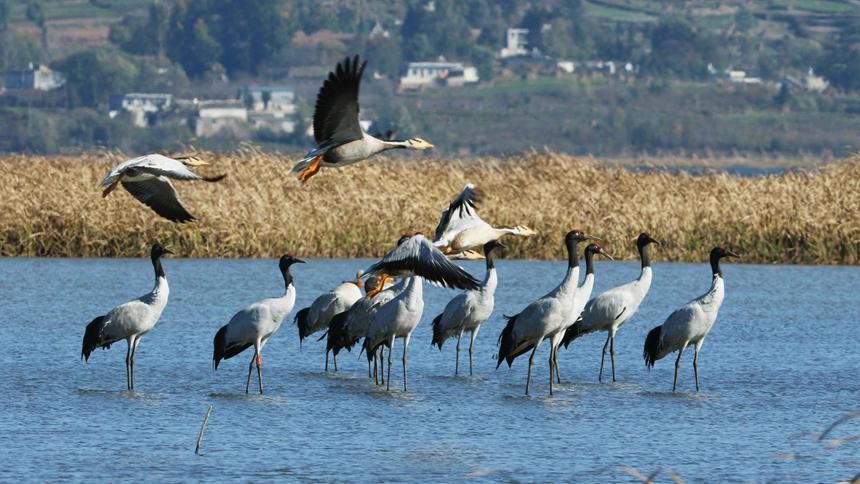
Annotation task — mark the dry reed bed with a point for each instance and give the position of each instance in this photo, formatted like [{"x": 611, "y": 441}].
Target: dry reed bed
[{"x": 52, "y": 207}]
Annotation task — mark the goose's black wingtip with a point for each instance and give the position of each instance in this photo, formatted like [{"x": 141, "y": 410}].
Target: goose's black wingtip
[{"x": 652, "y": 347}]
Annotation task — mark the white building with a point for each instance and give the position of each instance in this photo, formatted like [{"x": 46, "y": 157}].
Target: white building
[
  {"x": 516, "y": 41},
  {"x": 220, "y": 115},
  {"x": 36, "y": 77},
  {"x": 420, "y": 74},
  {"x": 142, "y": 106},
  {"x": 270, "y": 99}
]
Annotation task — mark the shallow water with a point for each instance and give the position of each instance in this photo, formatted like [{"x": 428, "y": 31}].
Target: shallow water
[{"x": 780, "y": 365}]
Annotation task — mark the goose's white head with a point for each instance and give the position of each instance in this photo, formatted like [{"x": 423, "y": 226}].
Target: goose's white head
[{"x": 418, "y": 144}]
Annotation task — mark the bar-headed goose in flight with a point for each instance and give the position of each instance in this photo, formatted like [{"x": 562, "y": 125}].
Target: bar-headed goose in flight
[
  {"x": 461, "y": 229},
  {"x": 339, "y": 137},
  {"x": 147, "y": 178},
  {"x": 416, "y": 256}
]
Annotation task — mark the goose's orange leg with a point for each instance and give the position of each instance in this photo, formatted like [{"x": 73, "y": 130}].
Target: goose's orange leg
[{"x": 311, "y": 170}]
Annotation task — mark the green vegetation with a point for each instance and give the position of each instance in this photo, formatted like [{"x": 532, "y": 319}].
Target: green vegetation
[{"x": 672, "y": 102}]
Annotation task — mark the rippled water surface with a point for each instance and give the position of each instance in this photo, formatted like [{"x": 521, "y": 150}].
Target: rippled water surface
[{"x": 780, "y": 365}]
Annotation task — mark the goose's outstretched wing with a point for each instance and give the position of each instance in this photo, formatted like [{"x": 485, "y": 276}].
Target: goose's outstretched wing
[
  {"x": 416, "y": 256},
  {"x": 156, "y": 165},
  {"x": 461, "y": 213},
  {"x": 158, "y": 193},
  {"x": 336, "y": 111}
]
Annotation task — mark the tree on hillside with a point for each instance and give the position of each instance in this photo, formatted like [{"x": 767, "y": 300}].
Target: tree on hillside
[
  {"x": 677, "y": 49},
  {"x": 93, "y": 75},
  {"x": 37, "y": 16},
  {"x": 841, "y": 61}
]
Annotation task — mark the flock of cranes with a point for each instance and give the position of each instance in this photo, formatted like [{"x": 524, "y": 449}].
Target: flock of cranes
[{"x": 392, "y": 304}]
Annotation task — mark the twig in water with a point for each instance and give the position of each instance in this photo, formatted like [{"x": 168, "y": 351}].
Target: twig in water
[{"x": 202, "y": 430}]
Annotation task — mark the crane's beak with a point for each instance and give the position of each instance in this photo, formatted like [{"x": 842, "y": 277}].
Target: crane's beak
[
  {"x": 298, "y": 261},
  {"x": 732, "y": 254},
  {"x": 605, "y": 254},
  {"x": 655, "y": 241},
  {"x": 592, "y": 237},
  {"x": 167, "y": 251}
]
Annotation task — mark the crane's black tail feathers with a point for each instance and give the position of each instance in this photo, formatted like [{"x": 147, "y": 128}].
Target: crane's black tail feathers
[
  {"x": 506, "y": 342},
  {"x": 93, "y": 337},
  {"x": 301, "y": 320},
  {"x": 438, "y": 332},
  {"x": 220, "y": 346},
  {"x": 338, "y": 335},
  {"x": 224, "y": 351},
  {"x": 573, "y": 332},
  {"x": 652, "y": 346}
]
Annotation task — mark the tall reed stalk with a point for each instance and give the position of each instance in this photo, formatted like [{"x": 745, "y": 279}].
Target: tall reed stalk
[{"x": 52, "y": 207}]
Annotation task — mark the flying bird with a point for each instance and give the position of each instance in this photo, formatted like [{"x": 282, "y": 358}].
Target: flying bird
[
  {"x": 461, "y": 229},
  {"x": 416, "y": 256},
  {"x": 608, "y": 311},
  {"x": 130, "y": 321},
  {"x": 338, "y": 134},
  {"x": 468, "y": 310},
  {"x": 545, "y": 317},
  {"x": 689, "y": 324},
  {"x": 255, "y": 324},
  {"x": 147, "y": 178}
]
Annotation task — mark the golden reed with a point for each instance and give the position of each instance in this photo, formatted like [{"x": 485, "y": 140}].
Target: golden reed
[{"x": 51, "y": 206}]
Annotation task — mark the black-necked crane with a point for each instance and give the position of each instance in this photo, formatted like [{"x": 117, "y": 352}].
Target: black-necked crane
[
  {"x": 461, "y": 229},
  {"x": 255, "y": 324},
  {"x": 583, "y": 292},
  {"x": 130, "y": 321},
  {"x": 347, "y": 328},
  {"x": 413, "y": 259},
  {"x": 318, "y": 315},
  {"x": 608, "y": 311},
  {"x": 338, "y": 134},
  {"x": 147, "y": 178},
  {"x": 468, "y": 310},
  {"x": 689, "y": 324},
  {"x": 545, "y": 317}
]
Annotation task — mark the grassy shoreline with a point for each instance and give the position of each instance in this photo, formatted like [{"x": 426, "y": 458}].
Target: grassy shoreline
[{"x": 52, "y": 207}]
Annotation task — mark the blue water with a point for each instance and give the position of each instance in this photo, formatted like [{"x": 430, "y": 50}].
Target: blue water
[{"x": 780, "y": 365}]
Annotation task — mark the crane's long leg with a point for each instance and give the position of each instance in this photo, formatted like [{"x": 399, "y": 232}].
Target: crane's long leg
[
  {"x": 326, "y": 361},
  {"x": 551, "y": 366},
  {"x": 388, "y": 379},
  {"x": 531, "y": 363},
  {"x": 612, "y": 353},
  {"x": 128, "y": 363},
  {"x": 334, "y": 358},
  {"x": 258, "y": 347},
  {"x": 677, "y": 365},
  {"x": 555, "y": 363},
  {"x": 696, "y": 365},
  {"x": 405, "y": 357},
  {"x": 602, "y": 357},
  {"x": 250, "y": 369},
  {"x": 472, "y": 345},
  {"x": 133, "y": 353},
  {"x": 457, "y": 358},
  {"x": 368, "y": 370}
]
